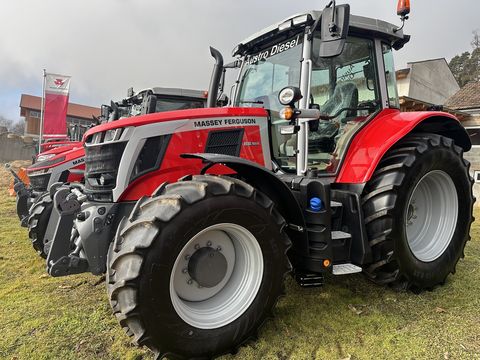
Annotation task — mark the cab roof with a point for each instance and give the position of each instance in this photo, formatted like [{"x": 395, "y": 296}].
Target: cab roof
[
  {"x": 358, "y": 24},
  {"x": 179, "y": 92}
]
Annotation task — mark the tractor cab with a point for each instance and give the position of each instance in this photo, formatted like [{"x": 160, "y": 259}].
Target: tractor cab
[
  {"x": 342, "y": 68},
  {"x": 153, "y": 100}
]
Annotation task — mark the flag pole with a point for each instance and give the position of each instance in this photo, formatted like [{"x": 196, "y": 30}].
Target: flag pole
[{"x": 42, "y": 112}]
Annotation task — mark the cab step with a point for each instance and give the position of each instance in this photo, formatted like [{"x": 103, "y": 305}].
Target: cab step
[
  {"x": 309, "y": 279},
  {"x": 340, "y": 235},
  {"x": 345, "y": 269}
]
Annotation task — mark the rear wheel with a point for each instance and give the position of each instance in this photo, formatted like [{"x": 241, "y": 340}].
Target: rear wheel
[
  {"x": 418, "y": 212},
  {"x": 195, "y": 271},
  {"x": 38, "y": 221}
]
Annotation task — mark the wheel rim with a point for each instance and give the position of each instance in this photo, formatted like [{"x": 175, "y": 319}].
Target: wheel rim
[
  {"x": 431, "y": 216},
  {"x": 221, "y": 302}
]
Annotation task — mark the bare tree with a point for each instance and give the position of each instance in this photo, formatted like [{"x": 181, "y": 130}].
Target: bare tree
[
  {"x": 476, "y": 39},
  {"x": 16, "y": 127}
]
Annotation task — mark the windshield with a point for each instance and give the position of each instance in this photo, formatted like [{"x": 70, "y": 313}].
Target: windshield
[
  {"x": 172, "y": 104},
  {"x": 263, "y": 75}
]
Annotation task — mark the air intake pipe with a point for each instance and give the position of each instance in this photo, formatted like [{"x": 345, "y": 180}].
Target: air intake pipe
[{"x": 215, "y": 80}]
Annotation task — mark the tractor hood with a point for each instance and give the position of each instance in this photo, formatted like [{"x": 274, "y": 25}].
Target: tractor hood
[
  {"x": 58, "y": 159},
  {"x": 190, "y": 114}
]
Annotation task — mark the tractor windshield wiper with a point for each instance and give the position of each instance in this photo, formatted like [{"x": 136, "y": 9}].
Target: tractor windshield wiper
[{"x": 251, "y": 102}]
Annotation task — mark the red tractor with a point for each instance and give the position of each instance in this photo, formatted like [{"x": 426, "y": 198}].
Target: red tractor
[
  {"x": 197, "y": 216},
  {"x": 64, "y": 162}
]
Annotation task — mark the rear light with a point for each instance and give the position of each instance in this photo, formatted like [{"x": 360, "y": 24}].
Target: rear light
[{"x": 403, "y": 8}]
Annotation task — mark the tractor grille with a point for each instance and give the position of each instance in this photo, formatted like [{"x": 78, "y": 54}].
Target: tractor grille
[
  {"x": 101, "y": 166},
  {"x": 225, "y": 142},
  {"x": 39, "y": 182}
]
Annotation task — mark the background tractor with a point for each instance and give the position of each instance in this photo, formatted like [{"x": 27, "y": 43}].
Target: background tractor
[
  {"x": 196, "y": 216},
  {"x": 65, "y": 162}
]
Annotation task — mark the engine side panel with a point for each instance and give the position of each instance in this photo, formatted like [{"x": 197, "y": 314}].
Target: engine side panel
[
  {"x": 379, "y": 135},
  {"x": 191, "y": 136}
]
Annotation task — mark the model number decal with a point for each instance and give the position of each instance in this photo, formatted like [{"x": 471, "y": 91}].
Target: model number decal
[{"x": 223, "y": 122}]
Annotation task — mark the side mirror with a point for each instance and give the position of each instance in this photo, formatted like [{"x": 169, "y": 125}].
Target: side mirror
[{"x": 335, "y": 23}]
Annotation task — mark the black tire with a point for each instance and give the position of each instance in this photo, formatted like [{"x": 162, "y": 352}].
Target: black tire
[
  {"x": 147, "y": 244},
  {"x": 38, "y": 221},
  {"x": 385, "y": 202}
]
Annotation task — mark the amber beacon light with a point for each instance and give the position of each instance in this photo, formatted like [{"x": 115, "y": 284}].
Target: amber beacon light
[{"x": 403, "y": 8}]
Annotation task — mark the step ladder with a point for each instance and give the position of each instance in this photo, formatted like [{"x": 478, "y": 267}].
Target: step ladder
[{"x": 345, "y": 269}]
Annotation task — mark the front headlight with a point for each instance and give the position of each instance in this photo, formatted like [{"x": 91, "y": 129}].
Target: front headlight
[
  {"x": 47, "y": 163},
  {"x": 289, "y": 95},
  {"x": 109, "y": 135},
  {"x": 45, "y": 157}
]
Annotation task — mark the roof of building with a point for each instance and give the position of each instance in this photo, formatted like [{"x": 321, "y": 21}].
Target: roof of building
[
  {"x": 427, "y": 60},
  {"x": 75, "y": 110},
  {"x": 402, "y": 73},
  {"x": 467, "y": 97},
  {"x": 409, "y": 104}
]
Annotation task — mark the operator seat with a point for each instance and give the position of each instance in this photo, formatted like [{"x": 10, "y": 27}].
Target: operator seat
[
  {"x": 325, "y": 138},
  {"x": 344, "y": 96}
]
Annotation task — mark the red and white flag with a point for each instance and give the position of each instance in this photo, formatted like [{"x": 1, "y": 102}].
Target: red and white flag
[{"x": 57, "y": 88}]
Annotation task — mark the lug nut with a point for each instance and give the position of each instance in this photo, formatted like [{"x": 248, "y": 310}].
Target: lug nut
[
  {"x": 185, "y": 270},
  {"x": 187, "y": 257},
  {"x": 197, "y": 246},
  {"x": 209, "y": 243},
  {"x": 219, "y": 248},
  {"x": 190, "y": 282}
]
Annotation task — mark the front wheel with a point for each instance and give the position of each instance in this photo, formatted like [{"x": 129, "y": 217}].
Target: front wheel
[
  {"x": 418, "y": 212},
  {"x": 195, "y": 271},
  {"x": 38, "y": 221}
]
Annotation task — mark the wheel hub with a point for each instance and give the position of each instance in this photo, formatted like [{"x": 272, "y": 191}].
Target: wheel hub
[
  {"x": 411, "y": 213},
  {"x": 216, "y": 276},
  {"x": 207, "y": 267}
]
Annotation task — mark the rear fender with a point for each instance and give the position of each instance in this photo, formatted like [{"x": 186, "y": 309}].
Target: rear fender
[{"x": 388, "y": 128}]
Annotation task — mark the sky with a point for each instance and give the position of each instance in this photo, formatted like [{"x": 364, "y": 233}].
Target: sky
[{"x": 109, "y": 45}]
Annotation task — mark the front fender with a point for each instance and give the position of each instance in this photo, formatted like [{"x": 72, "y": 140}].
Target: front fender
[
  {"x": 263, "y": 180},
  {"x": 384, "y": 131}
]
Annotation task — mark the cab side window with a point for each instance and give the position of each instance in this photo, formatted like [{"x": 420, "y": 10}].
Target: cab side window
[{"x": 390, "y": 76}]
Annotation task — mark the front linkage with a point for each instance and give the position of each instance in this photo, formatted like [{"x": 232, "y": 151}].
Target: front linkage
[{"x": 91, "y": 227}]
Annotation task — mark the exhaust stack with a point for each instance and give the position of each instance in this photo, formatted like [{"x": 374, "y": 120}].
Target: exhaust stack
[{"x": 215, "y": 80}]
